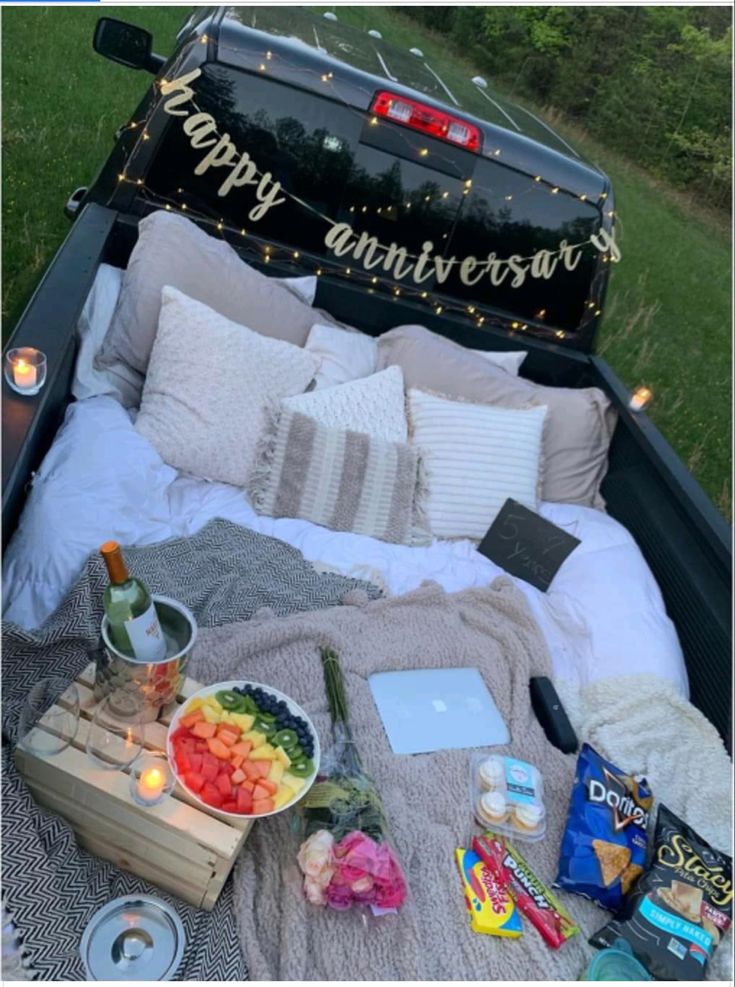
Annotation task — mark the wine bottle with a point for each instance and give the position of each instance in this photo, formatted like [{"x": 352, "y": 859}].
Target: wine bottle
[{"x": 133, "y": 625}]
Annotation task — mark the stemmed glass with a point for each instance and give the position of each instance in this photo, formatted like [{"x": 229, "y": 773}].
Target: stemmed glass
[
  {"x": 117, "y": 731},
  {"x": 50, "y": 717}
]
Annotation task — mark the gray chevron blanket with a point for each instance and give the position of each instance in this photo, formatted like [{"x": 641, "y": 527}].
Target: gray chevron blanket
[{"x": 51, "y": 887}]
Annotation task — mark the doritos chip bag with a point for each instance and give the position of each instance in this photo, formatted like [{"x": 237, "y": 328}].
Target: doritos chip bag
[
  {"x": 680, "y": 909},
  {"x": 603, "y": 850}
]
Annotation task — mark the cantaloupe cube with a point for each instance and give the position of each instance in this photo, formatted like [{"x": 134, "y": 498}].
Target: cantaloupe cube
[
  {"x": 283, "y": 757},
  {"x": 282, "y": 797},
  {"x": 262, "y": 805},
  {"x": 276, "y": 772},
  {"x": 263, "y": 753},
  {"x": 293, "y": 782}
]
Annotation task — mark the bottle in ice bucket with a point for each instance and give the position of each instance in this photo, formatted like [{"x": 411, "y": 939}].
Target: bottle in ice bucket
[{"x": 133, "y": 623}]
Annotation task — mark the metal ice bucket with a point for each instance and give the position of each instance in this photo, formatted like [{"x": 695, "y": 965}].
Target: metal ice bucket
[{"x": 157, "y": 683}]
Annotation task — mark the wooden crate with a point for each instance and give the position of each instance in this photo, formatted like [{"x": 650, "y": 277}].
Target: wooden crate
[{"x": 177, "y": 845}]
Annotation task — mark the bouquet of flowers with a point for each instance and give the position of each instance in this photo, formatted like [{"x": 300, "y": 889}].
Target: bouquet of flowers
[{"x": 345, "y": 857}]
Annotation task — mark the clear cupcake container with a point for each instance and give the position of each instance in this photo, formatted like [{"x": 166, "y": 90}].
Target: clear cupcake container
[{"x": 508, "y": 796}]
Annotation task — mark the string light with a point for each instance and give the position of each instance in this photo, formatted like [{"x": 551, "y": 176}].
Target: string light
[
  {"x": 262, "y": 67},
  {"x": 555, "y": 190},
  {"x": 423, "y": 151},
  {"x": 296, "y": 255}
]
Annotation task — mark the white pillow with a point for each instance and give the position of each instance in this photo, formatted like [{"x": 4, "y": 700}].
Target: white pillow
[
  {"x": 475, "y": 456},
  {"x": 344, "y": 355},
  {"x": 374, "y": 405},
  {"x": 118, "y": 380},
  {"x": 208, "y": 383},
  {"x": 508, "y": 361}
]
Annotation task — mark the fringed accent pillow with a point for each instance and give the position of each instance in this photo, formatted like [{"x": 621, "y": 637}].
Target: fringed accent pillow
[{"x": 343, "y": 480}]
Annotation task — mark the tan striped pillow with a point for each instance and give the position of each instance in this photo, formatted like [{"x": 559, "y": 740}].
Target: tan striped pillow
[{"x": 343, "y": 480}]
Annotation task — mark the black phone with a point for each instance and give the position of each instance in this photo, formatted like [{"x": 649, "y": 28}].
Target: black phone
[{"x": 551, "y": 715}]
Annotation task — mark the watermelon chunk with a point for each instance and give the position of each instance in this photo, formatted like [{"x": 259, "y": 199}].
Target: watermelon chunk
[
  {"x": 195, "y": 760},
  {"x": 229, "y": 806},
  {"x": 244, "y": 800},
  {"x": 211, "y": 795},
  {"x": 210, "y": 767},
  {"x": 224, "y": 785},
  {"x": 194, "y": 781}
]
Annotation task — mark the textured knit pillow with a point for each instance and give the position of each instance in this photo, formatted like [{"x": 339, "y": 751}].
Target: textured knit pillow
[
  {"x": 171, "y": 250},
  {"x": 343, "y": 355},
  {"x": 209, "y": 381},
  {"x": 343, "y": 480},
  {"x": 579, "y": 424},
  {"x": 375, "y": 405},
  {"x": 475, "y": 457}
]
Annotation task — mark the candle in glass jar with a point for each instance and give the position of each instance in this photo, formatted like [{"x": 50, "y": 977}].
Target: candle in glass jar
[
  {"x": 640, "y": 398},
  {"x": 151, "y": 783},
  {"x": 24, "y": 375}
]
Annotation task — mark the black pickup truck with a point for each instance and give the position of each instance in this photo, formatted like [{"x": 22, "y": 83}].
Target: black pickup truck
[{"x": 313, "y": 148}]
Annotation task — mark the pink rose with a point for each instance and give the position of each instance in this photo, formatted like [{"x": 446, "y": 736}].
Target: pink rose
[
  {"x": 339, "y": 897},
  {"x": 363, "y": 885},
  {"x": 316, "y": 855},
  {"x": 390, "y": 896}
]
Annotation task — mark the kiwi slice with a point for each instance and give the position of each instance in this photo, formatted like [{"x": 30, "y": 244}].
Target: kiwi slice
[
  {"x": 230, "y": 701},
  {"x": 303, "y": 768},
  {"x": 287, "y": 739},
  {"x": 262, "y": 727}
]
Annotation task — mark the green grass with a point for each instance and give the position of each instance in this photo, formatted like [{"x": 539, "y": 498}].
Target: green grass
[{"x": 667, "y": 322}]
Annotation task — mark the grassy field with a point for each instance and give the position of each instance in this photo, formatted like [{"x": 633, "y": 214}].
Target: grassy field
[{"x": 668, "y": 317}]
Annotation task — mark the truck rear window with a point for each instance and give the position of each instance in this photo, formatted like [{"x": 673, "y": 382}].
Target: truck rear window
[{"x": 334, "y": 165}]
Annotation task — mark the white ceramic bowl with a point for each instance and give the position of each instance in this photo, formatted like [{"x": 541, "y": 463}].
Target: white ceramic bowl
[{"x": 293, "y": 708}]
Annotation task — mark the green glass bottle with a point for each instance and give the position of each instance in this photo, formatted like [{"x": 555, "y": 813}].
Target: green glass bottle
[{"x": 133, "y": 628}]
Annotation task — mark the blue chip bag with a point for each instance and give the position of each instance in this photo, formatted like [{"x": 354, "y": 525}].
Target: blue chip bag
[{"x": 603, "y": 851}]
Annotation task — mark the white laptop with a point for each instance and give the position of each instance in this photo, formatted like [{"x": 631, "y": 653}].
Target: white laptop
[{"x": 435, "y": 709}]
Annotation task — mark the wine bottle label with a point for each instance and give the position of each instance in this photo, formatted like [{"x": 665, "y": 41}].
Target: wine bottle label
[{"x": 146, "y": 636}]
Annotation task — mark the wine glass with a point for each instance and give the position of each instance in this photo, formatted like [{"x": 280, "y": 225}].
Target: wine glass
[
  {"x": 117, "y": 731},
  {"x": 50, "y": 716}
]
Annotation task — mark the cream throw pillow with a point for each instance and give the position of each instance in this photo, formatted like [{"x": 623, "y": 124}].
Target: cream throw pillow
[
  {"x": 475, "y": 457},
  {"x": 343, "y": 355},
  {"x": 373, "y": 405},
  {"x": 208, "y": 384}
]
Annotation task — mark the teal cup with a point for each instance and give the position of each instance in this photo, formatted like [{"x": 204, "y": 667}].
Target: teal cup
[{"x": 616, "y": 962}]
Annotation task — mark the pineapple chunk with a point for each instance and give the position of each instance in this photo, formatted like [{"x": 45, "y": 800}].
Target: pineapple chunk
[
  {"x": 282, "y": 797},
  {"x": 257, "y": 738},
  {"x": 193, "y": 705},
  {"x": 211, "y": 715},
  {"x": 226, "y": 717},
  {"x": 293, "y": 782},
  {"x": 283, "y": 757},
  {"x": 263, "y": 753},
  {"x": 243, "y": 720},
  {"x": 276, "y": 772},
  {"x": 212, "y": 702}
]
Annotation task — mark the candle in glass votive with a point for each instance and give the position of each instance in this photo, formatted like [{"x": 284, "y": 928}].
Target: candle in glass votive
[
  {"x": 640, "y": 398},
  {"x": 152, "y": 779},
  {"x": 24, "y": 375},
  {"x": 151, "y": 784}
]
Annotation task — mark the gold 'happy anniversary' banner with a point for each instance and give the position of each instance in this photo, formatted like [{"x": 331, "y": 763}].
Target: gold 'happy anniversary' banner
[{"x": 341, "y": 239}]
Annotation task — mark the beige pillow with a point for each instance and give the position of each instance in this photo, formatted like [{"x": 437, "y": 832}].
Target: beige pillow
[
  {"x": 209, "y": 382},
  {"x": 171, "y": 250},
  {"x": 579, "y": 422}
]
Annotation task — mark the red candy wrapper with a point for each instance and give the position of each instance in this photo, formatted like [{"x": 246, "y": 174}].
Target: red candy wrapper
[{"x": 533, "y": 899}]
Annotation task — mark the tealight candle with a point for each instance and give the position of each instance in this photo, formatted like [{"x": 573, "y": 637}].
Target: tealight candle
[
  {"x": 151, "y": 779},
  {"x": 25, "y": 369},
  {"x": 640, "y": 398}
]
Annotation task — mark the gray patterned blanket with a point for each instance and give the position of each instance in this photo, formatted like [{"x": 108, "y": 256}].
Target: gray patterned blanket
[{"x": 51, "y": 887}]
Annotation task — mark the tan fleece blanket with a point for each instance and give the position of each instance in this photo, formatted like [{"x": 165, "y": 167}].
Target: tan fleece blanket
[{"x": 426, "y": 796}]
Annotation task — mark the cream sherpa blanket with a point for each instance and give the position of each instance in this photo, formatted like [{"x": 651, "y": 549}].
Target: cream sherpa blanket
[
  {"x": 426, "y": 796},
  {"x": 640, "y": 724}
]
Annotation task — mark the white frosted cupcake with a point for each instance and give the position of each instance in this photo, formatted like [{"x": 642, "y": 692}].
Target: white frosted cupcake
[
  {"x": 492, "y": 809},
  {"x": 528, "y": 817},
  {"x": 491, "y": 774}
]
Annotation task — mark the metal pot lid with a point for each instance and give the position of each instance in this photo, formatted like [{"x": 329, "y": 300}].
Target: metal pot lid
[{"x": 137, "y": 937}]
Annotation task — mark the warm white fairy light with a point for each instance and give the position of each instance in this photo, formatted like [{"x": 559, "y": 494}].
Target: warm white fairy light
[{"x": 640, "y": 398}]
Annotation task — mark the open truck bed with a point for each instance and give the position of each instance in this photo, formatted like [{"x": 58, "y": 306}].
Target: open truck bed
[{"x": 684, "y": 539}]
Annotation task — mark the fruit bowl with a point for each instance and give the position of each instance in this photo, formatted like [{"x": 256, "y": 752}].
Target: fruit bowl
[{"x": 243, "y": 749}]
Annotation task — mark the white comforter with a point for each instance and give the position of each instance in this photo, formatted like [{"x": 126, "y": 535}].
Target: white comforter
[{"x": 603, "y": 615}]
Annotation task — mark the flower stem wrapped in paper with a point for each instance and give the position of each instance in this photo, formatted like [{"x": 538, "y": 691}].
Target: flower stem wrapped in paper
[{"x": 345, "y": 857}]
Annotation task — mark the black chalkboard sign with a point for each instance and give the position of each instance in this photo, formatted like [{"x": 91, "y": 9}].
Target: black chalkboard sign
[{"x": 527, "y": 545}]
